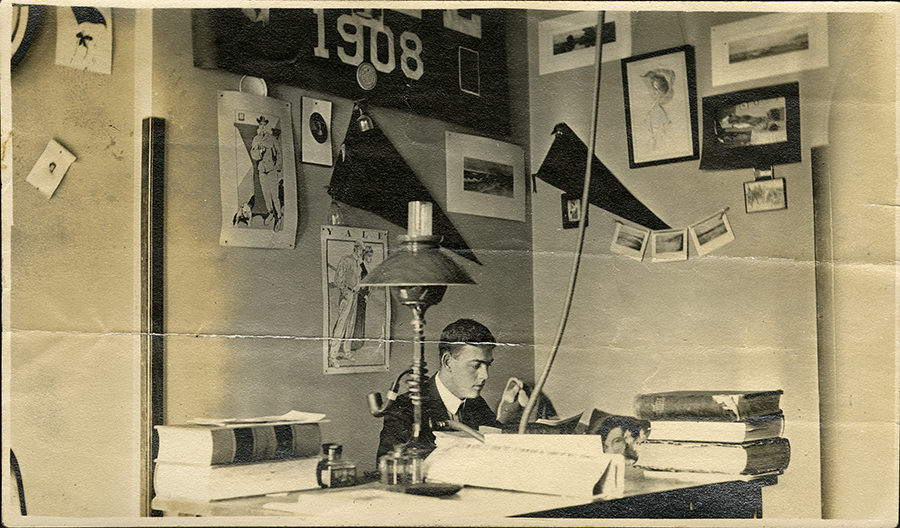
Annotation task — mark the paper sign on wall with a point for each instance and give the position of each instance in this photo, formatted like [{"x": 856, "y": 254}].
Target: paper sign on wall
[
  {"x": 50, "y": 168},
  {"x": 84, "y": 38}
]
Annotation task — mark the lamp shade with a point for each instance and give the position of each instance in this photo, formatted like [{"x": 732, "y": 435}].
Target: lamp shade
[{"x": 417, "y": 265}]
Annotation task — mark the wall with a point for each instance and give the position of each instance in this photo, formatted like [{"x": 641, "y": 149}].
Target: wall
[
  {"x": 245, "y": 324},
  {"x": 856, "y": 279},
  {"x": 73, "y": 423},
  {"x": 742, "y": 317}
]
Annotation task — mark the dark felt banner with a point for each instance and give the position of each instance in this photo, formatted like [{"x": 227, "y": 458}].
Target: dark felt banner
[{"x": 445, "y": 64}]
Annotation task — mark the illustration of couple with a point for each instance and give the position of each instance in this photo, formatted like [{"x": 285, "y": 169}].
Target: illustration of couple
[{"x": 350, "y": 327}]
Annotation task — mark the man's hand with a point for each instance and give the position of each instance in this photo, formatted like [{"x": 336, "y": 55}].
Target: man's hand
[{"x": 513, "y": 402}]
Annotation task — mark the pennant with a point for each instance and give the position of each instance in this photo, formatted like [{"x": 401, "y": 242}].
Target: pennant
[
  {"x": 88, "y": 14},
  {"x": 370, "y": 174},
  {"x": 564, "y": 167}
]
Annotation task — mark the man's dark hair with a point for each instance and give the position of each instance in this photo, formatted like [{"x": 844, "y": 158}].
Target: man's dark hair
[{"x": 465, "y": 332}]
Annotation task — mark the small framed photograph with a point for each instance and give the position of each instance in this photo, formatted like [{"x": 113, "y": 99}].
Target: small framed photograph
[
  {"x": 661, "y": 107},
  {"x": 568, "y": 41},
  {"x": 755, "y": 128},
  {"x": 765, "y": 46},
  {"x": 711, "y": 233},
  {"x": 765, "y": 195},
  {"x": 571, "y": 210},
  {"x": 316, "y": 132},
  {"x": 630, "y": 241},
  {"x": 356, "y": 318},
  {"x": 668, "y": 245},
  {"x": 485, "y": 177}
]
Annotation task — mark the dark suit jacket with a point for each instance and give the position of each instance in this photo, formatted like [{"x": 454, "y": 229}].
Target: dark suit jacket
[{"x": 398, "y": 421}]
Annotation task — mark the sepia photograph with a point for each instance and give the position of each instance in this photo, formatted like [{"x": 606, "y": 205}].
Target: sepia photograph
[
  {"x": 485, "y": 177},
  {"x": 630, "y": 241},
  {"x": 569, "y": 41},
  {"x": 752, "y": 128},
  {"x": 571, "y": 210},
  {"x": 668, "y": 245},
  {"x": 767, "y": 46},
  {"x": 329, "y": 264},
  {"x": 765, "y": 195},
  {"x": 711, "y": 233}
]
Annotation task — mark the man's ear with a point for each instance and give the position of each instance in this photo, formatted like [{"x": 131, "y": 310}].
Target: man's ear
[{"x": 445, "y": 360}]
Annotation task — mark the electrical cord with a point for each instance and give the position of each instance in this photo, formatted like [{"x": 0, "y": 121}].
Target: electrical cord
[{"x": 570, "y": 292}]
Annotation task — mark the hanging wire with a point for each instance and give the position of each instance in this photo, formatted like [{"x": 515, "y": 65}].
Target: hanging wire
[{"x": 567, "y": 306}]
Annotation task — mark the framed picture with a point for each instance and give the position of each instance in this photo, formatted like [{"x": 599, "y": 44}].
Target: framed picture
[
  {"x": 485, "y": 177},
  {"x": 661, "y": 107},
  {"x": 668, "y": 245},
  {"x": 765, "y": 195},
  {"x": 765, "y": 46},
  {"x": 568, "y": 41},
  {"x": 356, "y": 319},
  {"x": 256, "y": 171},
  {"x": 630, "y": 241},
  {"x": 315, "y": 135},
  {"x": 711, "y": 233},
  {"x": 755, "y": 128},
  {"x": 571, "y": 210}
]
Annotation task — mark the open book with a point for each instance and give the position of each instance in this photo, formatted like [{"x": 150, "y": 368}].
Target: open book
[{"x": 566, "y": 465}]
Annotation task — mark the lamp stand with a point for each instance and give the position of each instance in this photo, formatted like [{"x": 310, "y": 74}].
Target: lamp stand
[
  {"x": 418, "y": 275},
  {"x": 418, "y": 299}
]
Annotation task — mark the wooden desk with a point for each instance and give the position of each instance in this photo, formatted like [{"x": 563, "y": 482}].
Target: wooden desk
[{"x": 373, "y": 504}]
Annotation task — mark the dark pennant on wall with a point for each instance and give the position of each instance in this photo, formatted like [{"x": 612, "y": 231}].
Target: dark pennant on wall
[{"x": 445, "y": 64}]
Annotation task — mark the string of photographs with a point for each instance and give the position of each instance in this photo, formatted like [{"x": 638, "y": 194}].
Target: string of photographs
[{"x": 668, "y": 245}]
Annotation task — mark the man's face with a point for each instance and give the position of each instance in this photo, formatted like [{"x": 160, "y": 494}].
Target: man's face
[{"x": 467, "y": 371}]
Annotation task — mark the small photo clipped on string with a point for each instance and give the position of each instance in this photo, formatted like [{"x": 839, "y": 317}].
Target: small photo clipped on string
[
  {"x": 630, "y": 241},
  {"x": 711, "y": 233},
  {"x": 668, "y": 245}
]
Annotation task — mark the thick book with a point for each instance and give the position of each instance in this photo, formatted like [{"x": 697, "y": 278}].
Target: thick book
[
  {"x": 748, "y": 458},
  {"x": 746, "y": 430},
  {"x": 717, "y": 405},
  {"x": 567, "y": 465},
  {"x": 235, "y": 444},
  {"x": 226, "y": 481}
]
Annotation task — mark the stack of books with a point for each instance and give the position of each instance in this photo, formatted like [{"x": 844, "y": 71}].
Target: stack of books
[
  {"x": 712, "y": 433},
  {"x": 213, "y": 462}
]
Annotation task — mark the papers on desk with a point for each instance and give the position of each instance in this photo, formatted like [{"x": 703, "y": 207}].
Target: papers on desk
[
  {"x": 288, "y": 417},
  {"x": 566, "y": 465}
]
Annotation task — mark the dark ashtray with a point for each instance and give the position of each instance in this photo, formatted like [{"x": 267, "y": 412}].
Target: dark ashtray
[{"x": 432, "y": 489}]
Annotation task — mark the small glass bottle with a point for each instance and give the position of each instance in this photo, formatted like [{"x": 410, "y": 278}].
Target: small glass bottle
[
  {"x": 333, "y": 471},
  {"x": 393, "y": 466}
]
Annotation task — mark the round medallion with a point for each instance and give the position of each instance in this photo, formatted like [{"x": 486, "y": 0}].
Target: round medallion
[
  {"x": 318, "y": 128},
  {"x": 366, "y": 76}
]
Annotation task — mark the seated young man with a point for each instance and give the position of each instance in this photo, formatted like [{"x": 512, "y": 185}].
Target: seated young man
[{"x": 466, "y": 354}]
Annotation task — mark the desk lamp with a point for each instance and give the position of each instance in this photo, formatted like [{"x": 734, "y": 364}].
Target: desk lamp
[{"x": 418, "y": 274}]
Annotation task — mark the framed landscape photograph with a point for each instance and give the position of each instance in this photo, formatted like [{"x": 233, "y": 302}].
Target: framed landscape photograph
[
  {"x": 568, "y": 41},
  {"x": 668, "y": 245},
  {"x": 755, "y": 128},
  {"x": 355, "y": 318},
  {"x": 769, "y": 45},
  {"x": 661, "y": 107},
  {"x": 485, "y": 177},
  {"x": 765, "y": 195}
]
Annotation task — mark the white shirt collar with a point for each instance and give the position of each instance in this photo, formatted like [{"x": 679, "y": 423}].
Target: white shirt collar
[{"x": 451, "y": 402}]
